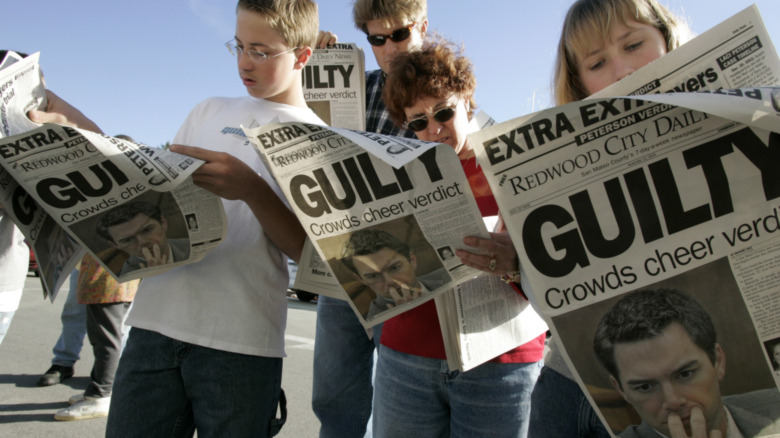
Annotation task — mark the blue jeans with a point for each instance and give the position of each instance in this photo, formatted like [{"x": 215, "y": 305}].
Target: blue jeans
[
  {"x": 343, "y": 364},
  {"x": 74, "y": 327},
  {"x": 167, "y": 388},
  {"x": 419, "y": 397},
  {"x": 560, "y": 409}
]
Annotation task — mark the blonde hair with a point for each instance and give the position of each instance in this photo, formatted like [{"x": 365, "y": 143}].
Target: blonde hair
[
  {"x": 364, "y": 11},
  {"x": 589, "y": 19},
  {"x": 296, "y": 21}
]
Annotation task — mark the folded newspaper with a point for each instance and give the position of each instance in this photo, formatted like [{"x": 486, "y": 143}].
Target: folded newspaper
[
  {"x": 69, "y": 190},
  {"x": 377, "y": 207},
  {"x": 334, "y": 85},
  {"x": 613, "y": 202}
]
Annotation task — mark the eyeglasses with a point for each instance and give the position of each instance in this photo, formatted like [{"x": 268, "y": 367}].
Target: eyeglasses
[
  {"x": 442, "y": 116},
  {"x": 396, "y": 36},
  {"x": 254, "y": 55}
]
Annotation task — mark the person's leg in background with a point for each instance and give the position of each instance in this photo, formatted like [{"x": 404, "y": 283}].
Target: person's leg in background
[
  {"x": 68, "y": 347},
  {"x": 104, "y": 326}
]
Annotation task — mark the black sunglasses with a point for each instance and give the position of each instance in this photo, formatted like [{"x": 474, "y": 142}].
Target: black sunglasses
[
  {"x": 442, "y": 116},
  {"x": 397, "y": 36}
]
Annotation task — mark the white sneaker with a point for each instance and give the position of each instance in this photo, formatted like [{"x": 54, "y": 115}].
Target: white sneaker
[
  {"x": 76, "y": 398},
  {"x": 90, "y": 407}
]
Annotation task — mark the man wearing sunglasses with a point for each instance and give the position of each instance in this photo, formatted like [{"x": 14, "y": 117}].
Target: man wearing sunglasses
[{"x": 343, "y": 354}]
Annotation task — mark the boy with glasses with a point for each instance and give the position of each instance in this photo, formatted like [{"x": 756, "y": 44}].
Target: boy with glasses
[
  {"x": 205, "y": 352},
  {"x": 343, "y": 354}
]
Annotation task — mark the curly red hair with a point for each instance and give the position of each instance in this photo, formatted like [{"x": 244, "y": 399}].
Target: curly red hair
[{"x": 437, "y": 70}]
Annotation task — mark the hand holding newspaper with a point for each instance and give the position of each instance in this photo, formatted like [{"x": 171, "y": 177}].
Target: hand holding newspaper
[{"x": 71, "y": 190}]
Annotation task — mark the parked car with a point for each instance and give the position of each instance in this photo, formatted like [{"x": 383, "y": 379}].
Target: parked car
[
  {"x": 292, "y": 270},
  {"x": 33, "y": 268}
]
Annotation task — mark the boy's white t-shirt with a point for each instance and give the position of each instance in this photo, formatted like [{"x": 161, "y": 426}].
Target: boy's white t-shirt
[{"x": 235, "y": 298}]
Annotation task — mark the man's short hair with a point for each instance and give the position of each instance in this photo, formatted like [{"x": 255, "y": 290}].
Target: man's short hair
[
  {"x": 296, "y": 21},
  {"x": 125, "y": 213},
  {"x": 366, "y": 242},
  {"x": 643, "y": 315},
  {"x": 364, "y": 11}
]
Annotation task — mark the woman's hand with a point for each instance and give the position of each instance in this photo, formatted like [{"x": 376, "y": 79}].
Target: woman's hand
[{"x": 500, "y": 256}]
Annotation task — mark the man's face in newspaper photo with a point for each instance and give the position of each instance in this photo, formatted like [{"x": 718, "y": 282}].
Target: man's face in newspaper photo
[
  {"x": 387, "y": 269},
  {"x": 141, "y": 234},
  {"x": 667, "y": 374}
]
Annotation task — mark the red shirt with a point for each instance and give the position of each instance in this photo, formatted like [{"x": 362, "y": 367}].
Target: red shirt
[{"x": 417, "y": 331}]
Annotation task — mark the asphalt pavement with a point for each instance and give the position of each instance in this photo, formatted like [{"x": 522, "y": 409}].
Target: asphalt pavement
[{"x": 27, "y": 410}]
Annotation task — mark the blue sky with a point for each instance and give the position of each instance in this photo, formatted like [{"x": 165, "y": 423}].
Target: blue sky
[{"x": 137, "y": 67}]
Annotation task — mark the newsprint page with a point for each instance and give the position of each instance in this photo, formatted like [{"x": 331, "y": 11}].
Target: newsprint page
[
  {"x": 613, "y": 202},
  {"x": 72, "y": 190},
  {"x": 349, "y": 188},
  {"x": 334, "y": 85}
]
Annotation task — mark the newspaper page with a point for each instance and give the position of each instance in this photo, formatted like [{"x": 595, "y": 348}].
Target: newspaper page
[
  {"x": 334, "y": 85},
  {"x": 56, "y": 252},
  {"x": 102, "y": 188},
  {"x": 314, "y": 275},
  {"x": 484, "y": 318},
  {"x": 134, "y": 207},
  {"x": 607, "y": 196},
  {"x": 347, "y": 198}
]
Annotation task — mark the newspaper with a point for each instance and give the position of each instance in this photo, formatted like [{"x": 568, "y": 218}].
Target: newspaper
[
  {"x": 73, "y": 178},
  {"x": 483, "y": 318},
  {"x": 314, "y": 275},
  {"x": 334, "y": 84},
  {"x": 341, "y": 182},
  {"x": 627, "y": 194},
  {"x": 610, "y": 195}
]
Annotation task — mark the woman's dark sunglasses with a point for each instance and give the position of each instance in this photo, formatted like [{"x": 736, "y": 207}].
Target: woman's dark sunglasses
[
  {"x": 442, "y": 116},
  {"x": 397, "y": 36}
]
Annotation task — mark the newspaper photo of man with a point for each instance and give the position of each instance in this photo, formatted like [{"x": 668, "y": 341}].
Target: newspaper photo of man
[
  {"x": 388, "y": 266},
  {"x": 139, "y": 229},
  {"x": 662, "y": 354}
]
